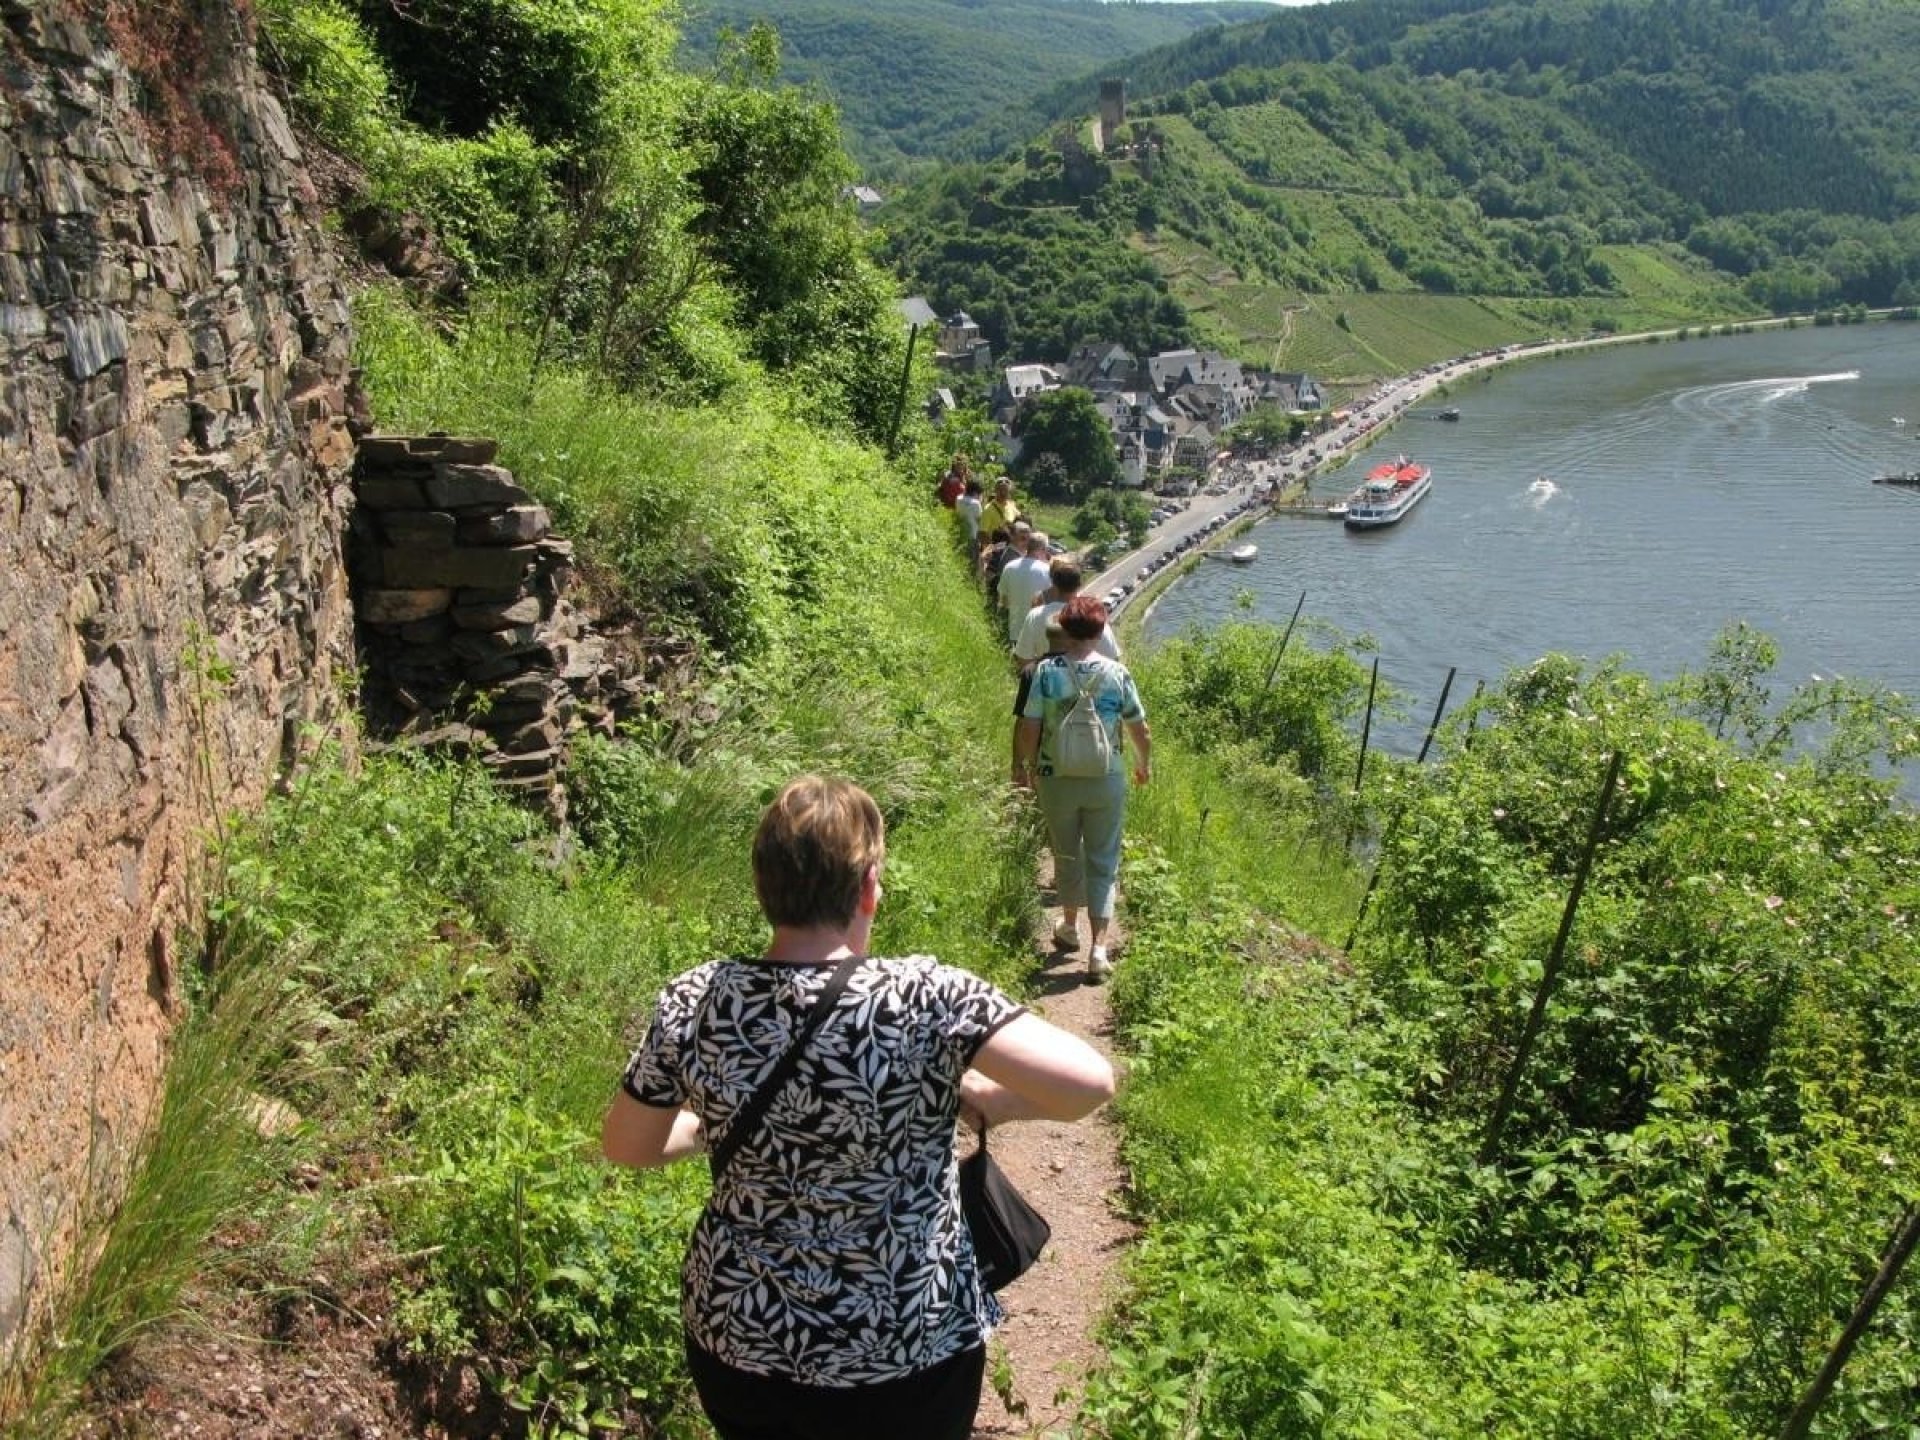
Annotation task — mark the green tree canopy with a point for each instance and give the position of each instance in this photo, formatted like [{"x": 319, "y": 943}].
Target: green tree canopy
[{"x": 1067, "y": 425}]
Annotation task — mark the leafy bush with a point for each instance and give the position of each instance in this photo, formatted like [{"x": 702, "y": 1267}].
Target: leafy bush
[{"x": 1232, "y": 685}]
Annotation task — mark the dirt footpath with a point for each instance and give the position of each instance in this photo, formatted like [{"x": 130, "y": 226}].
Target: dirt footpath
[{"x": 1072, "y": 1174}]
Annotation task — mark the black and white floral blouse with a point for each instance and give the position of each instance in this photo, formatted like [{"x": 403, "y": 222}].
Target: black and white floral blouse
[{"x": 833, "y": 1251}]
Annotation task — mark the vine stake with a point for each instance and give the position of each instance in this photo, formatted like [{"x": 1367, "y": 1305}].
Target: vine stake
[
  {"x": 1550, "y": 976},
  {"x": 1280, "y": 650},
  {"x": 1439, "y": 709},
  {"x": 1905, "y": 1235},
  {"x": 900, "y": 400},
  {"x": 1366, "y": 729},
  {"x": 1373, "y": 880},
  {"x": 1473, "y": 720}
]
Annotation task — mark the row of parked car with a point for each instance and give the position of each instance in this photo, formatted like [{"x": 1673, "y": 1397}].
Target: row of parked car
[{"x": 1119, "y": 593}]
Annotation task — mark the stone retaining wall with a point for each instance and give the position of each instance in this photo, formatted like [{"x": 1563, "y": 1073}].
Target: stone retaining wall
[
  {"x": 174, "y": 407},
  {"x": 468, "y": 640}
]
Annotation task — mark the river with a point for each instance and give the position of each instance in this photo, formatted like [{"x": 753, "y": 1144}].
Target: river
[{"x": 1629, "y": 500}]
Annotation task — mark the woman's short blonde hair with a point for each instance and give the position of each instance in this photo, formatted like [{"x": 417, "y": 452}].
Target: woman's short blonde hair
[{"x": 815, "y": 843}]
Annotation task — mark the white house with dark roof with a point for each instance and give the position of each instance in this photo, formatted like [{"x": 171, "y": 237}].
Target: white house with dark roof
[
  {"x": 1018, "y": 382},
  {"x": 1292, "y": 390}
]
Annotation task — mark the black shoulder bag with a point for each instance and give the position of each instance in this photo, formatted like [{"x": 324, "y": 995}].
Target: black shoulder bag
[
  {"x": 750, "y": 1114},
  {"x": 1008, "y": 1233}
]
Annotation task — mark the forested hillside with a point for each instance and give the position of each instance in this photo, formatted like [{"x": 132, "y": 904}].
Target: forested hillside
[
  {"x": 1571, "y": 163},
  {"x": 910, "y": 75}
]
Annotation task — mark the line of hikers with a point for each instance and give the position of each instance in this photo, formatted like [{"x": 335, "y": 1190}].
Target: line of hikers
[
  {"x": 1073, "y": 703},
  {"x": 829, "y": 1128}
]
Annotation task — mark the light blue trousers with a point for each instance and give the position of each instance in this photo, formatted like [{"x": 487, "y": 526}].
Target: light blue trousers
[{"x": 1084, "y": 820}]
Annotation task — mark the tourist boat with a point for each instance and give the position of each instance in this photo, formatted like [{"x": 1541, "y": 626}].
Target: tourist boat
[
  {"x": 1387, "y": 494},
  {"x": 1910, "y": 478},
  {"x": 1243, "y": 554}
]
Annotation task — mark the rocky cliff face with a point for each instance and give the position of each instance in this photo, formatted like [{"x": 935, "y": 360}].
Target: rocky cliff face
[{"x": 173, "y": 612}]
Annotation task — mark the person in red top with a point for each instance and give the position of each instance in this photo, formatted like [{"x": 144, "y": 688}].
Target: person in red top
[{"x": 954, "y": 483}]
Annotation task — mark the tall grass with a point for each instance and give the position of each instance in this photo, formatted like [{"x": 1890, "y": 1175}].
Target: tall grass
[{"x": 142, "y": 1238}]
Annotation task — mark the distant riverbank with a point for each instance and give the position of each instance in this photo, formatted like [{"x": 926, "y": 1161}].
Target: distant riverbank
[
  {"x": 1625, "y": 503},
  {"x": 1194, "y": 531}
]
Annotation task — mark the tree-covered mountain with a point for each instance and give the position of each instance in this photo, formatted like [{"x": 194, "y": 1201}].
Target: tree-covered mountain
[
  {"x": 910, "y": 75},
  {"x": 1562, "y": 162}
]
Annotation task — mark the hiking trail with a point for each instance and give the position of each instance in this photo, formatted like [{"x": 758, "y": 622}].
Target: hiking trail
[{"x": 1073, "y": 1176}]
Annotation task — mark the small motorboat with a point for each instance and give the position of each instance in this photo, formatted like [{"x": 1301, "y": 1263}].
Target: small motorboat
[
  {"x": 1243, "y": 554},
  {"x": 1908, "y": 478}
]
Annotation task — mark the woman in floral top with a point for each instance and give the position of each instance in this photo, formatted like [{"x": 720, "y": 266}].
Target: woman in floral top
[{"x": 830, "y": 1288}]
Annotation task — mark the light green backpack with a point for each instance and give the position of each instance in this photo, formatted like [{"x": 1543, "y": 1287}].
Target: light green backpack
[{"x": 1082, "y": 748}]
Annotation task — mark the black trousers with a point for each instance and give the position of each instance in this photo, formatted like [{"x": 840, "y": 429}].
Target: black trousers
[{"x": 934, "y": 1404}]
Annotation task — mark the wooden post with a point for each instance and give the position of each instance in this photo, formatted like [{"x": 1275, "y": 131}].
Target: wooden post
[
  {"x": 1373, "y": 880},
  {"x": 1439, "y": 709},
  {"x": 1280, "y": 650},
  {"x": 1473, "y": 723},
  {"x": 1905, "y": 1234},
  {"x": 1550, "y": 976},
  {"x": 900, "y": 400},
  {"x": 1366, "y": 728}
]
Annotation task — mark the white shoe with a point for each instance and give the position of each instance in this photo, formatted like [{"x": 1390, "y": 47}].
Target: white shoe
[
  {"x": 1099, "y": 967},
  {"x": 1066, "y": 937}
]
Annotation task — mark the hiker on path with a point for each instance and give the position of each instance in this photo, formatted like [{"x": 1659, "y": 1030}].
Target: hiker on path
[
  {"x": 953, "y": 484},
  {"x": 830, "y": 1290},
  {"x": 1084, "y": 814},
  {"x": 994, "y": 555},
  {"x": 968, "y": 508},
  {"x": 1023, "y": 580},
  {"x": 1030, "y": 645},
  {"x": 1000, "y": 513}
]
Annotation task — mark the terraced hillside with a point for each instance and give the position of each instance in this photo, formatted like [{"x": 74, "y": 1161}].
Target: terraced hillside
[{"x": 1357, "y": 187}]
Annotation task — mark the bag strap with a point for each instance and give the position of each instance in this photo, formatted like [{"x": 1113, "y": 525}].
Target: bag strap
[{"x": 748, "y": 1118}]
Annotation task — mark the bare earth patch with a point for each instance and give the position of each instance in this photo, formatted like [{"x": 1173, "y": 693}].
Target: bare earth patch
[{"x": 317, "y": 1364}]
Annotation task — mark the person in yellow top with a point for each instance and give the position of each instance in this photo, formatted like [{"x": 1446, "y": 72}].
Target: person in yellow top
[{"x": 1000, "y": 512}]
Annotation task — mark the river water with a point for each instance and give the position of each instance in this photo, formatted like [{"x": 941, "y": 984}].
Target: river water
[{"x": 1629, "y": 500}]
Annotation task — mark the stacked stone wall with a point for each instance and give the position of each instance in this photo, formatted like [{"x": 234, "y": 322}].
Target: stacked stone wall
[
  {"x": 468, "y": 640},
  {"x": 174, "y": 442}
]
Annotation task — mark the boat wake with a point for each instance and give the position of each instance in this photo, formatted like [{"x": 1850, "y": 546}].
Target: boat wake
[
  {"x": 1541, "y": 491},
  {"x": 1733, "y": 397}
]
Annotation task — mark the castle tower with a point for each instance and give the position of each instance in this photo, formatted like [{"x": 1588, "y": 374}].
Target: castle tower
[{"x": 1113, "y": 106}]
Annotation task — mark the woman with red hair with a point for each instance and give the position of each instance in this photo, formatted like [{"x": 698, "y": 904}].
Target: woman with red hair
[{"x": 1085, "y": 812}]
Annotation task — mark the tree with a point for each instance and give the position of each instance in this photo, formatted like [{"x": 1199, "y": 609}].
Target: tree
[
  {"x": 1067, "y": 425},
  {"x": 769, "y": 176},
  {"x": 1108, "y": 513}
]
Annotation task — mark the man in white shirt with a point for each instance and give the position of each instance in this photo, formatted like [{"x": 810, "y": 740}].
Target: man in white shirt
[
  {"x": 968, "y": 507},
  {"x": 1022, "y": 580},
  {"x": 1031, "y": 643}
]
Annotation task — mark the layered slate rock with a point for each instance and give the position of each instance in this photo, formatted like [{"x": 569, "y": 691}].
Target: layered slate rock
[
  {"x": 174, "y": 437},
  {"x": 469, "y": 642}
]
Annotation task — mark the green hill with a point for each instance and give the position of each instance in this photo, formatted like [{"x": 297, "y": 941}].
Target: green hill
[
  {"x": 908, "y": 75},
  {"x": 1569, "y": 163}
]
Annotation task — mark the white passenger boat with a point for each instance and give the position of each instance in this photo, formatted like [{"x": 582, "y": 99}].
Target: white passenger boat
[
  {"x": 1243, "y": 554},
  {"x": 1387, "y": 494}
]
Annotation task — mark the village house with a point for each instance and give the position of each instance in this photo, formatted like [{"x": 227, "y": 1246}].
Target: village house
[
  {"x": 1103, "y": 368},
  {"x": 961, "y": 346},
  {"x": 1017, "y": 382},
  {"x": 1166, "y": 412}
]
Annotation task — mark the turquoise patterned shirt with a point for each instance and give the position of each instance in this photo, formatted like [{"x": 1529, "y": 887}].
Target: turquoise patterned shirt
[{"x": 1057, "y": 684}]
